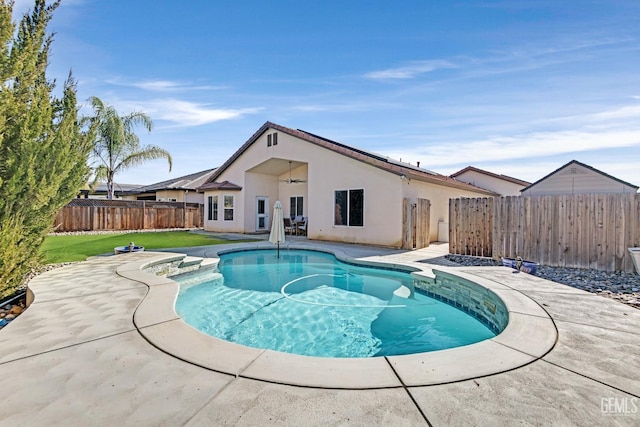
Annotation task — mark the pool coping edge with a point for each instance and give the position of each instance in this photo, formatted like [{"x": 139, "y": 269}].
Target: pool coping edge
[{"x": 517, "y": 345}]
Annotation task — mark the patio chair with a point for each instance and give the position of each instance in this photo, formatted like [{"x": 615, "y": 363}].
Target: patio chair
[
  {"x": 289, "y": 228},
  {"x": 302, "y": 226}
]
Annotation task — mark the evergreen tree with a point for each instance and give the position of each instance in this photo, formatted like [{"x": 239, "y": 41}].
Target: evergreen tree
[
  {"x": 43, "y": 149},
  {"x": 117, "y": 147}
]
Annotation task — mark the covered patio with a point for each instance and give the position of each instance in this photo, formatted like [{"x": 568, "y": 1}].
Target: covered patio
[{"x": 278, "y": 179}]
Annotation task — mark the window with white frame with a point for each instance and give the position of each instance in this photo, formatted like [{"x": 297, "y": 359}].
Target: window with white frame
[
  {"x": 212, "y": 208},
  {"x": 228, "y": 208},
  {"x": 296, "y": 207},
  {"x": 272, "y": 139},
  {"x": 349, "y": 208}
]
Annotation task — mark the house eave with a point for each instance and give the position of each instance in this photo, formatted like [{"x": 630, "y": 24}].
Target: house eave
[{"x": 371, "y": 159}]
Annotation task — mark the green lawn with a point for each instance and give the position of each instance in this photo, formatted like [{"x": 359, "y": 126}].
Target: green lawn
[{"x": 78, "y": 247}]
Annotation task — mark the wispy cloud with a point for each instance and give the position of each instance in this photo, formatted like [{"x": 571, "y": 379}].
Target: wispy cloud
[
  {"x": 582, "y": 134},
  {"x": 411, "y": 70},
  {"x": 185, "y": 114},
  {"x": 163, "y": 85},
  {"x": 621, "y": 118},
  {"x": 625, "y": 114},
  {"x": 521, "y": 147},
  {"x": 510, "y": 61},
  {"x": 581, "y": 45},
  {"x": 345, "y": 106}
]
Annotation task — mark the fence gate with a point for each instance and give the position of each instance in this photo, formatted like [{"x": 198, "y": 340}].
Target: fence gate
[
  {"x": 415, "y": 223},
  {"x": 471, "y": 226}
]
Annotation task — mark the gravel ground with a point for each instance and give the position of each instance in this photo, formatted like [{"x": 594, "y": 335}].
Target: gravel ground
[
  {"x": 153, "y": 230},
  {"x": 622, "y": 287}
]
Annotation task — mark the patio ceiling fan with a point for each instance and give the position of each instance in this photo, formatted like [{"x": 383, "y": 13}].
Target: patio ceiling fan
[{"x": 292, "y": 180}]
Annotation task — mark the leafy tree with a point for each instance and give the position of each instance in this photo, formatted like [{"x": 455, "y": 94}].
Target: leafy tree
[
  {"x": 43, "y": 149},
  {"x": 117, "y": 146}
]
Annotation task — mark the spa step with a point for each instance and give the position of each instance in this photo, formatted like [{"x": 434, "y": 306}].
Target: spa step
[
  {"x": 209, "y": 263},
  {"x": 190, "y": 261}
]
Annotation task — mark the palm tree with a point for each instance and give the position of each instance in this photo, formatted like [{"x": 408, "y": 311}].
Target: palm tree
[{"x": 117, "y": 147}]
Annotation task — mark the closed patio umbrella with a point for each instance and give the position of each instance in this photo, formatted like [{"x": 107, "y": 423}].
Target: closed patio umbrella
[{"x": 277, "y": 227}]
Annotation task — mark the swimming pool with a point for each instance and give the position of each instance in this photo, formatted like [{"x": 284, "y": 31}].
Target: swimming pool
[{"x": 309, "y": 303}]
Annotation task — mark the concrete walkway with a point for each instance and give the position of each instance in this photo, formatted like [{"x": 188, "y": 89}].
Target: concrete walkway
[{"x": 76, "y": 357}]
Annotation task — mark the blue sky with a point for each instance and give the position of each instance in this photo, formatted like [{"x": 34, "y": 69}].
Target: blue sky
[{"x": 517, "y": 87}]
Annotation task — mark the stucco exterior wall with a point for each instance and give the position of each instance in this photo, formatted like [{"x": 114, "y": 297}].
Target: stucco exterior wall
[
  {"x": 576, "y": 179},
  {"x": 169, "y": 196},
  {"x": 382, "y": 201},
  {"x": 180, "y": 196},
  {"x": 439, "y": 197},
  {"x": 194, "y": 197},
  {"x": 258, "y": 185},
  {"x": 325, "y": 172},
  {"x": 221, "y": 225},
  {"x": 497, "y": 185}
]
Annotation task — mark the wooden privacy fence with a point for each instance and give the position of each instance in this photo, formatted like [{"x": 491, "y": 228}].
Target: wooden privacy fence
[
  {"x": 471, "y": 226},
  {"x": 97, "y": 215},
  {"x": 574, "y": 230},
  {"x": 415, "y": 223}
]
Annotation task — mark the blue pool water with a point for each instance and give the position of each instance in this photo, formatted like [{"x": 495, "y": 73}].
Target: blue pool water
[{"x": 309, "y": 303}]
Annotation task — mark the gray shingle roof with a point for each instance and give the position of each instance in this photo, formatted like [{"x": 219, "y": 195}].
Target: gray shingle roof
[{"x": 187, "y": 182}]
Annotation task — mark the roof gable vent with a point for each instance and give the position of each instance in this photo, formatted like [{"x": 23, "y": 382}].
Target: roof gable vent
[{"x": 574, "y": 170}]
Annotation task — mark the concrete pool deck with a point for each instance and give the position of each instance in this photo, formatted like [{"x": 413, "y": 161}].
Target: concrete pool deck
[{"x": 78, "y": 356}]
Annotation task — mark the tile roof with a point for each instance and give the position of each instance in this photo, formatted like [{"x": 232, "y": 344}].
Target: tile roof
[
  {"x": 376, "y": 160},
  {"x": 494, "y": 175}
]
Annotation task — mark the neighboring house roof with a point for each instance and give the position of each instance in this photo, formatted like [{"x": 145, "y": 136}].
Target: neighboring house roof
[
  {"x": 187, "y": 182},
  {"x": 224, "y": 185},
  {"x": 585, "y": 166},
  {"x": 101, "y": 188},
  {"x": 491, "y": 174},
  {"x": 376, "y": 160}
]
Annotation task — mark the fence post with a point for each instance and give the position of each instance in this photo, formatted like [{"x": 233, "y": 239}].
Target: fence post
[
  {"x": 184, "y": 214},
  {"x": 407, "y": 225}
]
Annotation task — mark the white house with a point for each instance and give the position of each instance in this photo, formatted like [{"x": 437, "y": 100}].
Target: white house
[
  {"x": 501, "y": 184},
  {"x": 578, "y": 178},
  {"x": 348, "y": 194}
]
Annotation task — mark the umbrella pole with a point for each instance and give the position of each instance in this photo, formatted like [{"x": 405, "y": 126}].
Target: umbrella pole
[{"x": 278, "y": 249}]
